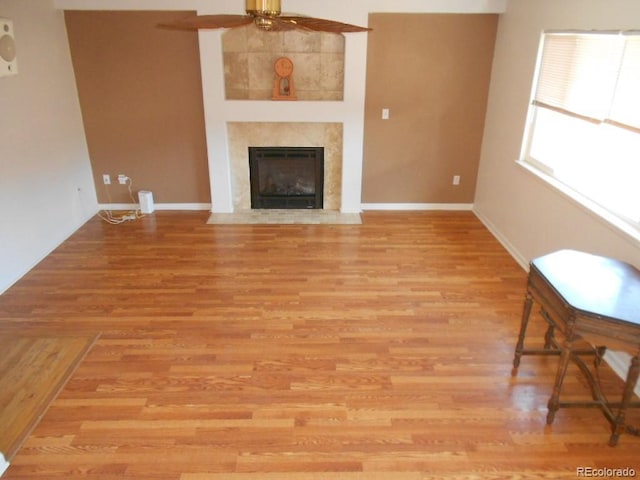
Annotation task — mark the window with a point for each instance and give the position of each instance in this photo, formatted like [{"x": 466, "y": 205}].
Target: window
[{"x": 583, "y": 126}]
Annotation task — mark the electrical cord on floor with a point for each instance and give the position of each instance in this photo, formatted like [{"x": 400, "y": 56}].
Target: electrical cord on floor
[{"x": 116, "y": 219}]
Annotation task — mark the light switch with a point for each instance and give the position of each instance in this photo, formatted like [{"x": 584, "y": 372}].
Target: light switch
[{"x": 385, "y": 114}]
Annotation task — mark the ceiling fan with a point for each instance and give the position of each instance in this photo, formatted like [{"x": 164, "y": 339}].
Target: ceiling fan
[{"x": 266, "y": 15}]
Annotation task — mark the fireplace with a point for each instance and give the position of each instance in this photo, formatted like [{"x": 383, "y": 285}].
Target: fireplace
[{"x": 286, "y": 177}]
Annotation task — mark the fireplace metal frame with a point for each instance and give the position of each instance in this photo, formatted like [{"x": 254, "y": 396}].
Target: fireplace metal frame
[{"x": 261, "y": 200}]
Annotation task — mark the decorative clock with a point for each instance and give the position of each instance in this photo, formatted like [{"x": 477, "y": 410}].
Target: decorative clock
[{"x": 283, "y": 88}]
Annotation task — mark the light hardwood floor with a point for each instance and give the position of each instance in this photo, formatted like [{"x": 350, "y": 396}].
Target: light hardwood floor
[
  {"x": 303, "y": 352},
  {"x": 33, "y": 369}
]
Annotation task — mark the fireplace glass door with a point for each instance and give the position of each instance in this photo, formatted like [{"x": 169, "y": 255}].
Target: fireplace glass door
[{"x": 286, "y": 177}]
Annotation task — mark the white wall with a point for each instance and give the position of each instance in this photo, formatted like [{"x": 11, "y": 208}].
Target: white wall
[
  {"x": 525, "y": 213},
  {"x": 46, "y": 187}
]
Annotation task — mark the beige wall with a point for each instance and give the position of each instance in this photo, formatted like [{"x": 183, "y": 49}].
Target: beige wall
[
  {"x": 432, "y": 71},
  {"x": 141, "y": 95},
  {"x": 530, "y": 217}
]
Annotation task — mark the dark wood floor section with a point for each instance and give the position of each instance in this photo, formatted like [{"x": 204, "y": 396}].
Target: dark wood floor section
[{"x": 298, "y": 352}]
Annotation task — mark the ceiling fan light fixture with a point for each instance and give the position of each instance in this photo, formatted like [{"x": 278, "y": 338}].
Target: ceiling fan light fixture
[
  {"x": 268, "y": 8},
  {"x": 264, "y": 23},
  {"x": 266, "y": 14}
]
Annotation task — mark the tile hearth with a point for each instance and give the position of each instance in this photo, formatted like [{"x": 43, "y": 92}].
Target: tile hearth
[{"x": 285, "y": 217}]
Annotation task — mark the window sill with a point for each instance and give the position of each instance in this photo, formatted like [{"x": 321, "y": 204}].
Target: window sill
[{"x": 615, "y": 223}]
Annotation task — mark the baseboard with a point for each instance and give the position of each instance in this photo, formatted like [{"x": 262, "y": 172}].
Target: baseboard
[
  {"x": 513, "y": 251},
  {"x": 157, "y": 206},
  {"x": 3, "y": 464},
  {"x": 417, "y": 206}
]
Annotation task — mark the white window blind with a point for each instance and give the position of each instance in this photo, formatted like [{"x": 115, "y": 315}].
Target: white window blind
[
  {"x": 625, "y": 108},
  {"x": 584, "y": 122},
  {"x": 592, "y": 76},
  {"x": 578, "y": 74}
]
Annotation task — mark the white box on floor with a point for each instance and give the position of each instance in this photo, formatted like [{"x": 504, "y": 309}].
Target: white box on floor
[{"x": 146, "y": 201}]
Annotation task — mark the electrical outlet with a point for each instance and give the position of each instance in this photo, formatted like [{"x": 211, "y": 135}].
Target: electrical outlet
[
  {"x": 106, "y": 179},
  {"x": 122, "y": 179},
  {"x": 456, "y": 179}
]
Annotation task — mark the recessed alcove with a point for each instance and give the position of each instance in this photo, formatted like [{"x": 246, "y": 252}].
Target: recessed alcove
[{"x": 249, "y": 55}]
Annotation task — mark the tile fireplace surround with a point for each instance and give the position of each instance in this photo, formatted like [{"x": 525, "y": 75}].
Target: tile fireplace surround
[{"x": 242, "y": 135}]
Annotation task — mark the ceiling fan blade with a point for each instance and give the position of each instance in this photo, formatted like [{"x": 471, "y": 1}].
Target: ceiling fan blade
[
  {"x": 197, "y": 22},
  {"x": 320, "y": 24},
  {"x": 274, "y": 24}
]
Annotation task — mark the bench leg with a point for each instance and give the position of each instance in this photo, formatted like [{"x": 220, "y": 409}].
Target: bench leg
[
  {"x": 526, "y": 313},
  {"x": 632, "y": 378},
  {"x": 554, "y": 401}
]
